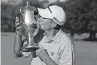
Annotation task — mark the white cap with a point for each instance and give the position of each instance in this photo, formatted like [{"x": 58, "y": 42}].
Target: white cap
[{"x": 53, "y": 12}]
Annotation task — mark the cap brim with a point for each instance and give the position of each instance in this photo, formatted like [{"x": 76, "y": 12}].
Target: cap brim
[{"x": 45, "y": 13}]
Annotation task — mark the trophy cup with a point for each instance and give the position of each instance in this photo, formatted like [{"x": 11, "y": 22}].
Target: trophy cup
[{"x": 32, "y": 27}]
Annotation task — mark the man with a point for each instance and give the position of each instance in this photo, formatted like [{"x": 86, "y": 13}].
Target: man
[{"x": 55, "y": 48}]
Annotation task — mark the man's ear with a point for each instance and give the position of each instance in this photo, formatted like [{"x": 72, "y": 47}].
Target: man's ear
[{"x": 54, "y": 24}]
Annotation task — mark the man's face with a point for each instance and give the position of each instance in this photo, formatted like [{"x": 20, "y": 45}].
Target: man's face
[{"x": 45, "y": 24}]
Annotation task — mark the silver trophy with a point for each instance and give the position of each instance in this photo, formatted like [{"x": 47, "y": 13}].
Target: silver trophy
[{"x": 29, "y": 20}]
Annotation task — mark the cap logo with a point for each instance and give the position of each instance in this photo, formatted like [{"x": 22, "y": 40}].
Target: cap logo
[
  {"x": 55, "y": 19},
  {"x": 52, "y": 53},
  {"x": 58, "y": 22},
  {"x": 49, "y": 9}
]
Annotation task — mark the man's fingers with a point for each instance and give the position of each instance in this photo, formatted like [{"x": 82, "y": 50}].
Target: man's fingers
[
  {"x": 18, "y": 28},
  {"x": 19, "y": 24},
  {"x": 41, "y": 47},
  {"x": 37, "y": 51}
]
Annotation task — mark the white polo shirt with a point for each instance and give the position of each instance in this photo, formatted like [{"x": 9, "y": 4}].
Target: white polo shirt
[{"x": 59, "y": 49}]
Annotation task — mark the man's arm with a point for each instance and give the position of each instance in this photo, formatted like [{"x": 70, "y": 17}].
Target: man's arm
[
  {"x": 18, "y": 38},
  {"x": 65, "y": 52},
  {"x": 18, "y": 45},
  {"x": 43, "y": 55}
]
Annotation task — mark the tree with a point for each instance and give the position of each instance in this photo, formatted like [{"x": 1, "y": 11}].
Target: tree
[{"x": 82, "y": 17}]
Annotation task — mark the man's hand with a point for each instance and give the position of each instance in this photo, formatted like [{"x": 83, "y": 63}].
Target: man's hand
[
  {"x": 42, "y": 54},
  {"x": 20, "y": 27}
]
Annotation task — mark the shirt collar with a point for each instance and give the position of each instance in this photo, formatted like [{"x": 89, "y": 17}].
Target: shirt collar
[{"x": 58, "y": 36}]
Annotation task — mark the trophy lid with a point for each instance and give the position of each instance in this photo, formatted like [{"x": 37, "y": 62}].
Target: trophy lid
[{"x": 28, "y": 7}]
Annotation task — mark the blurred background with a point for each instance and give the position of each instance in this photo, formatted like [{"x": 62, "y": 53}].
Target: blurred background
[
  {"x": 81, "y": 25},
  {"x": 81, "y": 14}
]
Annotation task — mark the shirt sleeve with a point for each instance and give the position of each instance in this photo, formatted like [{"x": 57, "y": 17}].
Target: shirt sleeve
[{"x": 65, "y": 52}]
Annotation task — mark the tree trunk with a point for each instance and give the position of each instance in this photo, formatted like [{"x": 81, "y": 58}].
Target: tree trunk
[{"x": 92, "y": 35}]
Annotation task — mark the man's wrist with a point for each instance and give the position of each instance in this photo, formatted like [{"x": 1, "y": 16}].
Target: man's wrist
[
  {"x": 49, "y": 61},
  {"x": 18, "y": 33}
]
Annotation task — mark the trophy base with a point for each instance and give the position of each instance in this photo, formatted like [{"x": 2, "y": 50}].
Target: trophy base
[{"x": 30, "y": 48}]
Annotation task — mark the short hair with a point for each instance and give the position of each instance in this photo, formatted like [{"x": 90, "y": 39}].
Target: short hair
[{"x": 58, "y": 27}]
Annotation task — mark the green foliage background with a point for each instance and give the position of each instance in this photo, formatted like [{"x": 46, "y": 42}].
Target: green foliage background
[{"x": 81, "y": 15}]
